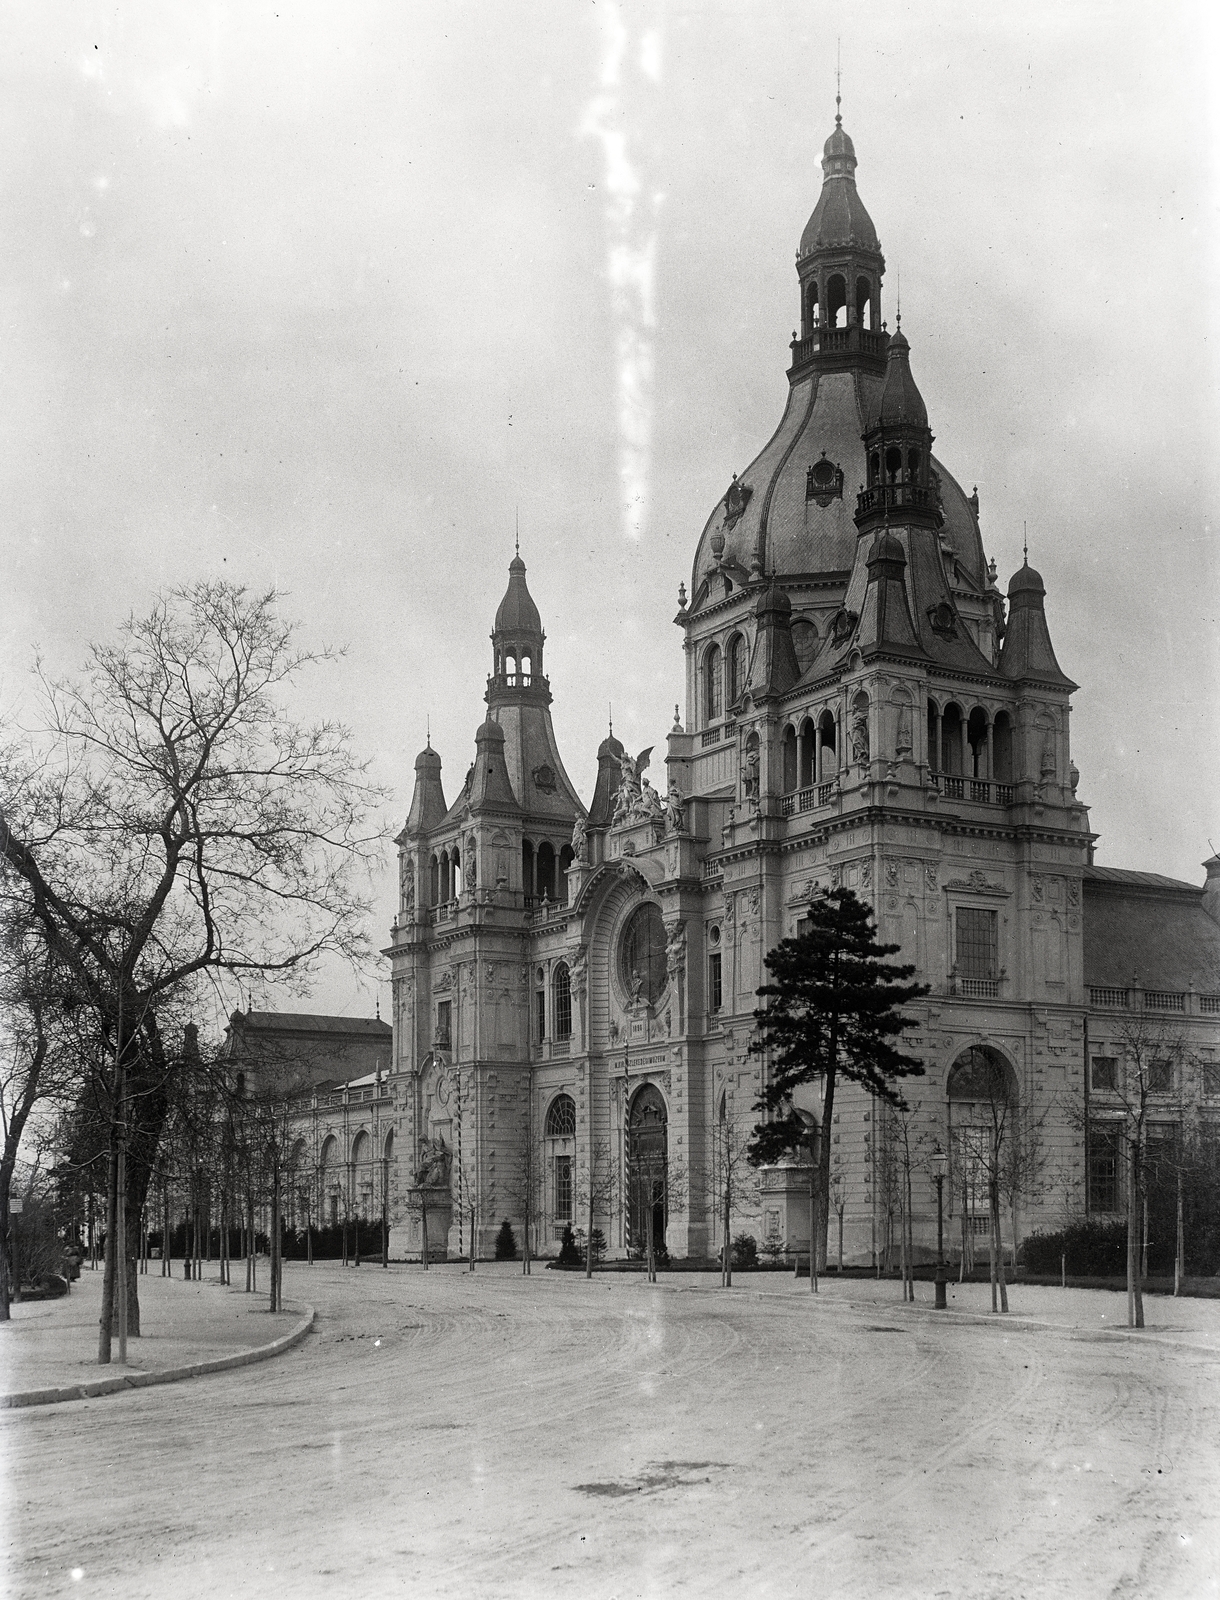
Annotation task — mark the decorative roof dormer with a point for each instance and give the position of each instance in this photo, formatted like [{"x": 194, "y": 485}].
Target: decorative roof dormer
[
  {"x": 901, "y": 484},
  {"x": 517, "y": 642},
  {"x": 839, "y": 266}
]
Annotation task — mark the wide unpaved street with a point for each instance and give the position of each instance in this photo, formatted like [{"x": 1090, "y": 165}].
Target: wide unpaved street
[{"x": 448, "y": 1435}]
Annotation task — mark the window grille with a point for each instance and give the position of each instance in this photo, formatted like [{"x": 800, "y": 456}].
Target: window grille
[
  {"x": 1104, "y": 1072},
  {"x": 976, "y": 939},
  {"x": 563, "y": 1188},
  {"x": 561, "y": 1118},
  {"x": 1160, "y": 1077},
  {"x": 1105, "y": 1142},
  {"x": 562, "y": 1015},
  {"x": 715, "y": 993}
]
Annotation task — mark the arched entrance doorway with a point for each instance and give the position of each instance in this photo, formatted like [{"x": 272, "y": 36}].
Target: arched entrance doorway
[
  {"x": 982, "y": 1094},
  {"x": 647, "y": 1162}
]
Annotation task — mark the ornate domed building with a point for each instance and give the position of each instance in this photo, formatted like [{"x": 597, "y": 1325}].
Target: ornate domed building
[{"x": 573, "y": 989}]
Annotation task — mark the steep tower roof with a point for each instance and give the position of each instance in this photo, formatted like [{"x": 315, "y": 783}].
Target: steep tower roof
[
  {"x": 1027, "y": 652},
  {"x": 839, "y": 218}
]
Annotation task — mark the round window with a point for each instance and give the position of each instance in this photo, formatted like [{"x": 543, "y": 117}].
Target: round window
[
  {"x": 642, "y": 954},
  {"x": 713, "y": 935}
]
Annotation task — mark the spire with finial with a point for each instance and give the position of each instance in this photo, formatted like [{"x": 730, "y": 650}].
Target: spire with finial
[
  {"x": 610, "y": 716},
  {"x": 517, "y": 532},
  {"x": 1025, "y": 537},
  {"x": 839, "y": 85},
  {"x": 428, "y": 726}
]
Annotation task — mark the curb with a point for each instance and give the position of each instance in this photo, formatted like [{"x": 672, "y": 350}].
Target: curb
[{"x": 145, "y": 1380}]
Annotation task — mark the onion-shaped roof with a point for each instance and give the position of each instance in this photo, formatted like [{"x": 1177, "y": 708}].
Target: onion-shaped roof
[
  {"x": 781, "y": 527},
  {"x": 517, "y": 613},
  {"x": 839, "y": 218}
]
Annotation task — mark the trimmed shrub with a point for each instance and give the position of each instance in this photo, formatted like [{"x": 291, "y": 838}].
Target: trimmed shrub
[
  {"x": 1093, "y": 1250},
  {"x": 506, "y": 1242},
  {"x": 569, "y": 1252},
  {"x": 745, "y": 1250}
]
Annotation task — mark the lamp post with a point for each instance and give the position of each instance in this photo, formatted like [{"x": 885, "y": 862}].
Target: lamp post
[{"x": 940, "y": 1166}]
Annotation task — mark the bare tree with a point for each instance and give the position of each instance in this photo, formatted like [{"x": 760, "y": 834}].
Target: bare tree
[
  {"x": 731, "y": 1184},
  {"x": 596, "y": 1193},
  {"x": 172, "y": 822}
]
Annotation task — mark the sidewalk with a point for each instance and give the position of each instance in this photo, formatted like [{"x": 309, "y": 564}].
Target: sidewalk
[{"x": 51, "y": 1345}]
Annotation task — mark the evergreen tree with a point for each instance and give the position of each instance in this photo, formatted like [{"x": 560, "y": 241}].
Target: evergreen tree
[
  {"x": 832, "y": 1010},
  {"x": 569, "y": 1252},
  {"x": 506, "y": 1242}
]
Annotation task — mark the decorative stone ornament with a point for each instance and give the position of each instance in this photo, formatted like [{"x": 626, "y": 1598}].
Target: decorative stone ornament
[{"x": 735, "y": 502}]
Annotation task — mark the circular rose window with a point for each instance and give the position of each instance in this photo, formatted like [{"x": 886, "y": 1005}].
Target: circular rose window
[{"x": 641, "y": 954}]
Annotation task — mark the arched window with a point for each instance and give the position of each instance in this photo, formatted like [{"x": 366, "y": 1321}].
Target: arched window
[
  {"x": 527, "y": 868},
  {"x": 455, "y": 873},
  {"x": 1001, "y": 748},
  {"x": 982, "y": 1095},
  {"x": 713, "y": 703},
  {"x": 804, "y": 641},
  {"x": 566, "y": 858},
  {"x": 434, "y": 881},
  {"x": 811, "y": 307},
  {"x": 733, "y": 664},
  {"x": 836, "y": 301},
  {"x": 387, "y": 1149},
  {"x": 864, "y": 302},
  {"x": 977, "y": 731},
  {"x": 546, "y": 872},
  {"x": 642, "y": 953},
  {"x": 560, "y": 1136},
  {"x": 561, "y": 1118},
  {"x": 806, "y": 744},
  {"x": 362, "y": 1175},
  {"x": 828, "y": 757},
  {"x": 510, "y": 666},
  {"x": 789, "y": 759},
  {"x": 328, "y": 1175},
  {"x": 951, "y": 740},
  {"x": 527, "y": 670},
  {"x": 561, "y": 1002},
  {"x": 647, "y": 1167}
]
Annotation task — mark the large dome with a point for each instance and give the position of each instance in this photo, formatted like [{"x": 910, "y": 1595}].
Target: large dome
[{"x": 791, "y": 512}]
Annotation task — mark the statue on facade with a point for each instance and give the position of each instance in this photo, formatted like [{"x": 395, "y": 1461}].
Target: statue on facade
[
  {"x": 580, "y": 842},
  {"x": 674, "y": 808},
  {"x": 859, "y": 738},
  {"x": 406, "y": 883},
  {"x": 675, "y": 952},
  {"x": 471, "y": 874},
  {"x": 650, "y": 805},
  {"x": 904, "y": 730},
  {"x": 628, "y": 801},
  {"x": 749, "y": 775},
  {"x": 435, "y": 1164}
]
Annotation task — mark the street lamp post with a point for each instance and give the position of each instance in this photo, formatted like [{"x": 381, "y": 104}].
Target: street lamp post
[{"x": 940, "y": 1166}]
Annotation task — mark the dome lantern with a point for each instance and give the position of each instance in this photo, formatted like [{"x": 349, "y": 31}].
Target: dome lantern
[
  {"x": 839, "y": 266},
  {"x": 517, "y": 640},
  {"x": 898, "y": 451}
]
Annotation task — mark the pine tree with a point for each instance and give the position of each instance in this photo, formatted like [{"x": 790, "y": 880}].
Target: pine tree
[
  {"x": 832, "y": 1010},
  {"x": 506, "y": 1242}
]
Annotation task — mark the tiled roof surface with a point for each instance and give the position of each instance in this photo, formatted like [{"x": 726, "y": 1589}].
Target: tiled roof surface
[{"x": 1153, "y": 930}]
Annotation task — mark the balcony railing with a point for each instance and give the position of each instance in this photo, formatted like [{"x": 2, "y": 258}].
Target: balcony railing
[
  {"x": 980, "y": 790},
  {"x": 1108, "y": 999},
  {"x": 978, "y": 988},
  {"x": 837, "y": 341},
  {"x": 807, "y": 799},
  {"x": 1209, "y": 1004},
  {"x": 787, "y": 805},
  {"x": 1163, "y": 1000},
  {"x": 895, "y": 497},
  {"x": 713, "y": 869},
  {"x": 711, "y": 736}
]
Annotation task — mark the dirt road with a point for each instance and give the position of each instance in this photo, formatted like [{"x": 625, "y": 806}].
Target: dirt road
[{"x": 447, "y": 1435}]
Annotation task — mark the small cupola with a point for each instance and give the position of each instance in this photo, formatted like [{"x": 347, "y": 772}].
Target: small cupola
[
  {"x": 1027, "y": 653},
  {"x": 898, "y": 451},
  {"x": 839, "y": 263},
  {"x": 517, "y": 640}
]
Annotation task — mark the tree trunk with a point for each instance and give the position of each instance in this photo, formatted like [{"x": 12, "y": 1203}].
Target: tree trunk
[
  {"x": 423, "y": 1215},
  {"x": 999, "y": 1253},
  {"x": 108, "y": 1272},
  {"x": 1179, "y": 1258},
  {"x": 1135, "y": 1297},
  {"x": 910, "y": 1226},
  {"x": 726, "y": 1271},
  {"x": 274, "y": 1241},
  {"x": 589, "y": 1233}
]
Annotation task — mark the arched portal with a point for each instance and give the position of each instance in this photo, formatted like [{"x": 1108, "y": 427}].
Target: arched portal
[
  {"x": 647, "y": 1169},
  {"x": 982, "y": 1094}
]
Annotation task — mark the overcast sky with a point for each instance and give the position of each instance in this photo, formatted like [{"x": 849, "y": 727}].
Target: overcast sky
[{"x": 320, "y": 295}]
